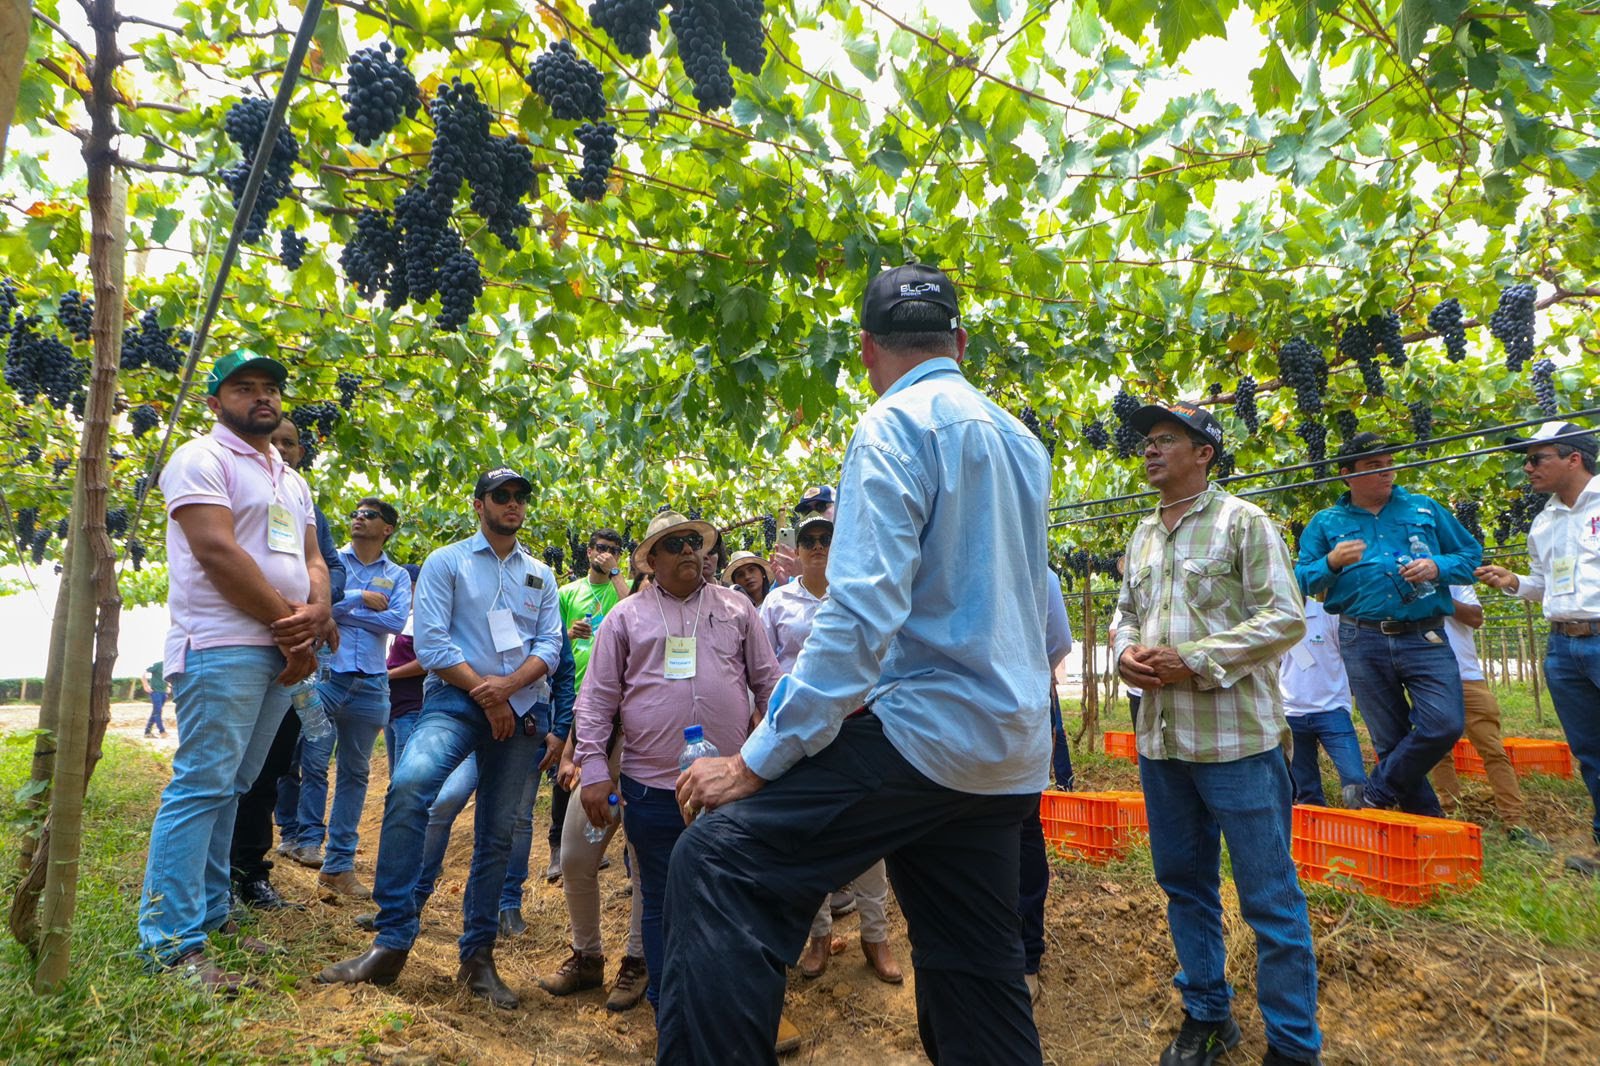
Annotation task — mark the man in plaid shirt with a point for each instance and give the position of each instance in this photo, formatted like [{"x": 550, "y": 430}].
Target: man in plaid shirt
[{"x": 1208, "y": 606}]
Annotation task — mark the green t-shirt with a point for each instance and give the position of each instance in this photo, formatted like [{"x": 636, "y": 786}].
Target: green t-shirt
[
  {"x": 583, "y": 598},
  {"x": 158, "y": 677}
]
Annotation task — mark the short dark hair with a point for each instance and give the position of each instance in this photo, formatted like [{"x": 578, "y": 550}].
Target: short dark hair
[
  {"x": 606, "y": 534},
  {"x": 920, "y": 326},
  {"x": 383, "y": 507},
  {"x": 1564, "y": 450}
]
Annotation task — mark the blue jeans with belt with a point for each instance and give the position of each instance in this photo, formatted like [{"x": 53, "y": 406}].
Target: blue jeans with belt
[
  {"x": 358, "y": 705},
  {"x": 1572, "y": 670}
]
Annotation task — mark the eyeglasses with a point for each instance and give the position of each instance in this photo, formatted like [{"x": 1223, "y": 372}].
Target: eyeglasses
[
  {"x": 505, "y": 496},
  {"x": 821, "y": 540},
  {"x": 1535, "y": 458},
  {"x": 674, "y": 545},
  {"x": 365, "y": 512},
  {"x": 1163, "y": 442},
  {"x": 604, "y": 549}
]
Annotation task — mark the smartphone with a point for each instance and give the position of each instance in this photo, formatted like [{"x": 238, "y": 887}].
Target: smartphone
[{"x": 786, "y": 538}]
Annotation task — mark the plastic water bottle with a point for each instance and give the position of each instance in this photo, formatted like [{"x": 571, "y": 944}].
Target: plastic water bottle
[
  {"x": 695, "y": 746},
  {"x": 1419, "y": 550},
  {"x": 314, "y": 721},
  {"x": 594, "y": 834}
]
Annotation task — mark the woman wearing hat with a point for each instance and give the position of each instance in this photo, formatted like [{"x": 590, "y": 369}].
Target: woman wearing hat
[{"x": 751, "y": 575}]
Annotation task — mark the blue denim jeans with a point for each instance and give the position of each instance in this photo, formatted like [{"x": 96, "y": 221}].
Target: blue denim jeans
[
  {"x": 158, "y": 700},
  {"x": 1060, "y": 747},
  {"x": 395, "y": 734},
  {"x": 1190, "y": 807},
  {"x": 451, "y": 728},
  {"x": 358, "y": 704},
  {"x": 651, "y": 818},
  {"x": 1409, "y": 693},
  {"x": 1572, "y": 670},
  {"x": 231, "y": 709},
  {"x": 1335, "y": 732}
]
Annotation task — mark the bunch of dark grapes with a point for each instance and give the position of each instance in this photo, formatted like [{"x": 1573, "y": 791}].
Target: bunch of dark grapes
[
  {"x": 140, "y": 483},
  {"x": 322, "y": 417},
  {"x": 245, "y": 124},
  {"x": 1302, "y": 368},
  {"x": 381, "y": 89},
  {"x": 33, "y": 454},
  {"x": 1512, "y": 324},
  {"x": 554, "y": 557},
  {"x": 460, "y": 285},
  {"x": 39, "y": 365},
  {"x": 23, "y": 525},
  {"x": 291, "y": 249},
  {"x": 8, "y": 303},
  {"x": 1127, "y": 438},
  {"x": 698, "y": 26},
  {"x": 1223, "y": 467},
  {"x": 59, "y": 467},
  {"x": 75, "y": 312},
  {"x": 694, "y": 514},
  {"x": 41, "y": 540},
  {"x": 426, "y": 243},
  {"x": 372, "y": 260},
  {"x": 1358, "y": 343},
  {"x": 136, "y": 554},
  {"x": 580, "y": 551},
  {"x": 460, "y": 141},
  {"x": 1315, "y": 434},
  {"x": 1524, "y": 509},
  {"x": 1385, "y": 330},
  {"x": 1544, "y": 386},
  {"x": 1445, "y": 320},
  {"x": 116, "y": 522},
  {"x": 506, "y": 178},
  {"x": 599, "y": 151},
  {"x": 1467, "y": 513},
  {"x": 744, "y": 39},
  {"x": 1244, "y": 404},
  {"x": 1347, "y": 425},
  {"x": 570, "y": 84},
  {"x": 769, "y": 530},
  {"x": 1421, "y": 419},
  {"x": 150, "y": 344},
  {"x": 1046, "y": 434},
  {"x": 630, "y": 23},
  {"x": 348, "y": 385},
  {"x": 1095, "y": 435},
  {"x": 144, "y": 419}
]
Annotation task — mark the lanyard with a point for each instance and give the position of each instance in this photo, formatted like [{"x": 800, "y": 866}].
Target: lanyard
[{"x": 660, "y": 596}]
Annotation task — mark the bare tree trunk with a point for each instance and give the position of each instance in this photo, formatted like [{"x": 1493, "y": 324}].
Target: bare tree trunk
[
  {"x": 16, "y": 18},
  {"x": 1090, "y": 724},
  {"x": 1534, "y": 662}
]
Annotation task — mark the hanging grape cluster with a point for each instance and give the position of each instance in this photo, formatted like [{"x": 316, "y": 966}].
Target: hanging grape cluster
[
  {"x": 315, "y": 421},
  {"x": 75, "y": 312},
  {"x": 1421, "y": 419},
  {"x": 1385, "y": 330},
  {"x": 1358, "y": 344},
  {"x": 42, "y": 365},
  {"x": 1517, "y": 518},
  {"x": 136, "y": 554},
  {"x": 1127, "y": 438},
  {"x": 599, "y": 152},
  {"x": 291, "y": 249},
  {"x": 769, "y": 530},
  {"x": 245, "y": 123},
  {"x": 699, "y": 28},
  {"x": 1046, "y": 432},
  {"x": 1244, "y": 404},
  {"x": 1512, "y": 324},
  {"x": 1302, "y": 368},
  {"x": 144, "y": 418},
  {"x": 570, "y": 84},
  {"x": 348, "y": 385},
  {"x": 1347, "y": 425},
  {"x": 116, "y": 522},
  {"x": 1468, "y": 514},
  {"x": 22, "y": 524},
  {"x": 380, "y": 90},
  {"x": 1315, "y": 434},
  {"x": 1544, "y": 386},
  {"x": 150, "y": 344},
  {"x": 1446, "y": 320},
  {"x": 553, "y": 558},
  {"x": 1095, "y": 435},
  {"x": 629, "y": 23}
]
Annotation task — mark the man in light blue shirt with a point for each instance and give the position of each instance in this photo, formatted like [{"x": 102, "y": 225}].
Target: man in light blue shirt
[
  {"x": 375, "y": 606},
  {"x": 914, "y": 727},
  {"x": 488, "y": 630}
]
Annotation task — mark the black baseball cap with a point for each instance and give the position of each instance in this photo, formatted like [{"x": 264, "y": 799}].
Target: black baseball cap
[
  {"x": 816, "y": 498},
  {"x": 1192, "y": 415},
  {"x": 1363, "y": 445},
  {"x": 1573, "y": 436},
  {"x": 497, "y": 477},
  {"x": 899, "y": 284}
]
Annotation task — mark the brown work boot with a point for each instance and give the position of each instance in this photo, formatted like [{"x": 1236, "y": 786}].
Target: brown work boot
[
  {"x": 628, "y": 990},
  {"x": 881, "y": 959},
  {"x": 577, "y": 973},
  {"x": 196, "y": 968},
  {"x": 344, "y": 883},
  {"x": 379, "y": 966},
  {"x": 482, "y": 980},
  {"x": 788, "y": 1036},
  {"x": 814, "y": 960},
  {"x": 246, "y": 942}
]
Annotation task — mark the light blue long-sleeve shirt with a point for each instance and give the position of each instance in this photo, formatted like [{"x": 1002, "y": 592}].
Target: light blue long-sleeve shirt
[
  {"x": 364, "y": 633},
  {"x": 459, "y": 585},
  {"x": 1057, "y": 627},
  {"x": 935, "y": 615}
]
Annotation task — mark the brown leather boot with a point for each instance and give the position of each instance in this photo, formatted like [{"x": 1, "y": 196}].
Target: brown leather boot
[
  {"x": 344, "y": 883},
  {"x": 379, "y": 966},
  {"x": 246, "y": 942},
  {"x": 788, "y": 1036},
  {"x": 478, "y": 973},
  {"x": 632, "y": 977},
  {"x": 814, "y": 960},
  {"x": 196, "y": 967},
  {"x": 577, "y": 973},
  {"x": 882, "y": 961}
]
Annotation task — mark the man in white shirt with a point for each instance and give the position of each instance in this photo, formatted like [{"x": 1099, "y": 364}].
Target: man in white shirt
[
  {"x": 1483, "y": 725},
  {"x": 1316, "y": 700},
  {"x": 1564, "y": 575}
]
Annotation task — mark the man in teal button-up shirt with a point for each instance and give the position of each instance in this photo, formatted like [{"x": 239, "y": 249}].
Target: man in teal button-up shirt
[{"x": 1375, "y": 554}]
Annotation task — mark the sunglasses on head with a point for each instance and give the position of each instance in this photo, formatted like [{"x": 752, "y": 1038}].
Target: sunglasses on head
[
  {"x": 818, "y": 540},
  {"x": 809, "y": 506},
  {"x": 505, "y": 496},
  {"x": 674, "y": 545},
  {"x": 365, "y": 512}
]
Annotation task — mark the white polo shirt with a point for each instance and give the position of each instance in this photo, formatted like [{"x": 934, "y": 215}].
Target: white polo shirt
[
  {"x": 1460, "y": 634},
  {"x": 1312, "y": 676}
]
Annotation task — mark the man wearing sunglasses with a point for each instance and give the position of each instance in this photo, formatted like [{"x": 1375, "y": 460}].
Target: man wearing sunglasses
[
  {"x": 375, "y": 606},
  {"x": 488, "y": 630}
]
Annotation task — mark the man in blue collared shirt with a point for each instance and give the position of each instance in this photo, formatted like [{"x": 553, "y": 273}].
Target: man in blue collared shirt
[
  {"x": 1386, "y": 559},
  {"x": 488, "y": 630},
  {"x": 375, "y": 606},
  {"x": 946, "y": 650}
]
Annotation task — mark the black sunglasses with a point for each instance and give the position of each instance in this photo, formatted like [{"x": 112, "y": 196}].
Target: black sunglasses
[
  {"x": 674, "y": 545},
  {"x": 820, "y": 540},
  {"x": 809, "y": 506},
  {"x": 505, "y": 496},
  {"x": 611, "y": 549},
  {"x": 365, "y": 512}
]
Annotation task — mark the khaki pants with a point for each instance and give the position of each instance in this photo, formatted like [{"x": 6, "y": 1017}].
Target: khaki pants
[
  {"x": 1483, "y": 731},
  {"x": 871, "y": 891}
]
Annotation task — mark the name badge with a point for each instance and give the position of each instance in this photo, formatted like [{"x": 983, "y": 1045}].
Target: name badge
[
  {"x": 679, "y": 665},
  {"x": 1563, "y": 573},
  {"x": 1301, "y": 656},
  {"x": 282, "y": 536},
  {"x": 382, "y": 583},
  {"x": 503, "y": 630}
]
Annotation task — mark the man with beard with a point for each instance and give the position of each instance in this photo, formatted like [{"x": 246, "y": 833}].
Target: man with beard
[
  {"x": 249, "y": 601},
  {"x": 488, "y": 630}
]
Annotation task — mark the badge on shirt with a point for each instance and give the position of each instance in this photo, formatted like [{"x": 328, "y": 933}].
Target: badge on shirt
[
  {"x": 679, "y": 659},
  {"x": 382, "y": 583},
  {"x": 282, "y": 536},
  {"x": 533, "y": 581},
  {"x": 1301, "y": 656},
  {"x": 503, "y": 630},
  {"x": 1563, "y": 574}
]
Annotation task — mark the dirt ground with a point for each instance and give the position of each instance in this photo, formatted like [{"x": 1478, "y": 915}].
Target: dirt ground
[{"x": 1420, "y": 992}]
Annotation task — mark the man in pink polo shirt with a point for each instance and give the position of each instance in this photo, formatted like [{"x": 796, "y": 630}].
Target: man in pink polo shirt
[{"x": 249, "y": 603}]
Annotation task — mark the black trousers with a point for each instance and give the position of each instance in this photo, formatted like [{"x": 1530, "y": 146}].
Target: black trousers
[
  {"x": 252, "y": 827},
  {"x": 559, "y": 797},
  {"x": 747, "y": 879},
  {"x": 1034, "y": 888}
]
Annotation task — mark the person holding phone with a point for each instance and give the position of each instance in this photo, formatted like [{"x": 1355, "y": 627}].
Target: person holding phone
[{"x": 818, "y": 499}]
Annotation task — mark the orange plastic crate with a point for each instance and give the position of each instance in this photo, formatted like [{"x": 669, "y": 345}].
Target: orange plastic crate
[
  {"x": 1097, "y": 826},
  {"x": 1121, "y": 746},
  {"x": 1528, "y": 755},
  {"x": 1403, "y": 858},
  {"x": 1467, "y": 761}
]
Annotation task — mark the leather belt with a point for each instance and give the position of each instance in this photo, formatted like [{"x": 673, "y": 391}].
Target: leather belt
[
  {"x": 1392, "y": 629},
  {"x": 1576, "y": 629}
]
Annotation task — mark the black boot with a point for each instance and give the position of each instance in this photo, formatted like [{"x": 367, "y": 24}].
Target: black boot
[
  {"x": 1275, "y": 1057},
  {"x": 478, "y": 971},
  {"x": 380, "y": 966},
  {"x": 512, "y": 922},
  {"x": 1201, "y": 1043},
  {"x": 258, "y": 894}
]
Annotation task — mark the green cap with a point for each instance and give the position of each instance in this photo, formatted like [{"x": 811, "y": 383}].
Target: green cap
[{"x": 243, "y": 359}]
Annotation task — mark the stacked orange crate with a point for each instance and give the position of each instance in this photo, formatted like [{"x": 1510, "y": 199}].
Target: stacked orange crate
[
  {"x": 1532, "y": 756},
  {"x": 1121, "y": 745},
  {"x": 1402, "y": 858}
]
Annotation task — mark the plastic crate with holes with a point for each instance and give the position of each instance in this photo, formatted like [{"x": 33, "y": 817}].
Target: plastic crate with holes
[
  {"x": 1121, "y": 745},
  {"x": 1403, "y": 858},
  {"x": 1096, "y": 826},
  {"x": 1528, "y": 755}
]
